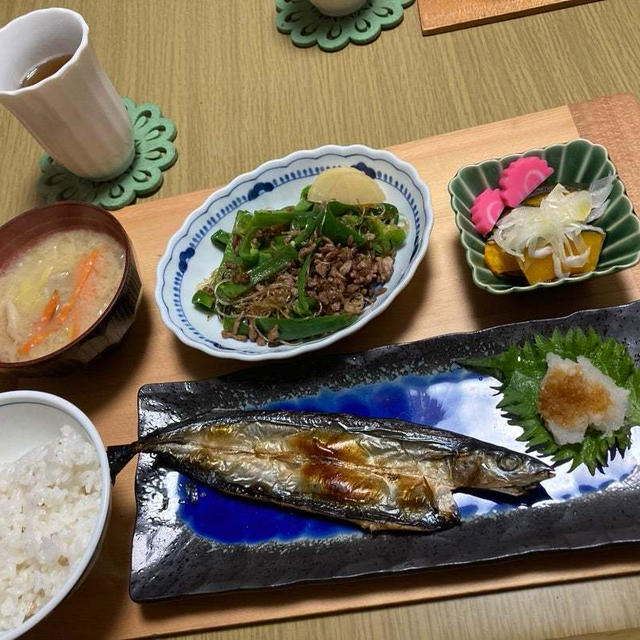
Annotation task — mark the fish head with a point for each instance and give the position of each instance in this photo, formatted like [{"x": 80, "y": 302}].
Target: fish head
[{"x": 501, "y": 470}]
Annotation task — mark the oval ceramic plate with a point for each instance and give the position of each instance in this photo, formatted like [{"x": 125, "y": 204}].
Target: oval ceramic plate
[
  {"x": 190, "y": 256},
  {"x": 578, "y": 161}
]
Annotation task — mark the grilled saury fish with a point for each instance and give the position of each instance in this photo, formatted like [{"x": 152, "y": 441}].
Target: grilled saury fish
[{"x": 378, "y": 473}]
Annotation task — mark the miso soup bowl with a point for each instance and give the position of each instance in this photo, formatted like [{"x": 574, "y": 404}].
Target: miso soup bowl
[{"x": 24, "y": 231}]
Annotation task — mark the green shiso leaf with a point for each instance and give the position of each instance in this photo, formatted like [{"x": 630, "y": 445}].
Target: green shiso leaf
[
  {"x": 633, "y": 384},
  {"x": 520, "y": 371}
]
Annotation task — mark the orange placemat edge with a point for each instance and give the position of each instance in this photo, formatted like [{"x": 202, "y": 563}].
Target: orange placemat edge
[
  {"x": 614, "y": 122},
  {"x": 440, "y": 16}
]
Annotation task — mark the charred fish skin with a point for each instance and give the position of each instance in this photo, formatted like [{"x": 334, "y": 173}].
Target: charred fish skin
[
  {"x": 377, "y": 473},
  {"x": 427, "y": 520},
  {"x": 324, "y": 469}
]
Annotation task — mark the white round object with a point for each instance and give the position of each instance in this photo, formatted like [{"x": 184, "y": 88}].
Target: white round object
[
  {"x": 337, "y": 8},
  {"x": 29, "y": 419}
]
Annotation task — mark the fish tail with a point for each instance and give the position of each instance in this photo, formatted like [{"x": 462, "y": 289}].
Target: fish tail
[{"x": 118, "y": 457}]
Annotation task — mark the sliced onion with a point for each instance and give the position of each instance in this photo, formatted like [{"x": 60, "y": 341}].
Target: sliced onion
[
  {"x": 555, "y": 226},
  {"x": 600, "y": 191},
  {"x": 543, "y": 231}
]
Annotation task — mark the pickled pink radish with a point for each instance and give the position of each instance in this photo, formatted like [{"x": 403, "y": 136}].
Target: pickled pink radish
[
  {"x": 521, "y": 178},
  {"x": 486, "y": 210}
]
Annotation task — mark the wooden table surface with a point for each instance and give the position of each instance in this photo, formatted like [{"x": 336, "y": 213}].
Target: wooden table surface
[{"x": 241, "y": 93}]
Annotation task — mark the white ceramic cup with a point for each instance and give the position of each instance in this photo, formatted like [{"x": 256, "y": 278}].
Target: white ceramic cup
[
  {"x": 337, "y": 7},
  {"x": 75, "y": 114}
]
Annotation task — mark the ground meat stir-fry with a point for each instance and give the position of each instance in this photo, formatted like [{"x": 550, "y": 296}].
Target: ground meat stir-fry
[
  {"x": 345, "y": 278},
  {"x": 301, "y": 272},
  {"x": 341, "y": 279}
]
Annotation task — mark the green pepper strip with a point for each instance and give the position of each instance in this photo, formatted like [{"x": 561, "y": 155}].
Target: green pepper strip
[
  {"x": 262, "y": 219},
  {"x": 247, "y": 252},
  {"x": 229, "y": 321},
  {"x": 338, "y": 209},
  {"x": 280, "y": 260},
  {"x": 299, "y": 328},
  {"x": 396, "y": 236},
  {"x": 390, "y": 213},
  {"x": 340, "y": 233},
  {"x": 242, "y": 228},
  {"x": 303, "y": 203},
  {"x": 310, "y": 226},
  {"x": 388, "y": 237},
  {"x": 221, "y": 238},
  {"x": 229, "y": 256},
  {"x": 294, "y": 328},
  {"x": 304, "y": 303},
  {"x": 203, "y": 299}
]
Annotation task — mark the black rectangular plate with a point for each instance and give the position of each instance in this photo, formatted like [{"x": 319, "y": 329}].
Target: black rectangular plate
[{"x": 169, "y": 560}]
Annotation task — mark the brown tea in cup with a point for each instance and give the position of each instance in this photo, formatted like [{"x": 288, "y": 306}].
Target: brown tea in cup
[{"x": 44, "y": 69}]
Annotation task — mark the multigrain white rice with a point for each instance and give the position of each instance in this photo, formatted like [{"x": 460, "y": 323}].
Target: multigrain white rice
[{"x": 49, "y": 503}]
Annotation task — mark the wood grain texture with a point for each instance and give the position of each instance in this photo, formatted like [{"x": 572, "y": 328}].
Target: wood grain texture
[
  {"x": 625, "y": 634},
  {"x": 441, "y": 298},
  {"x": 472, "y": 615},
  {"x": 216, "y": 67},
  {"x": 616, "y": 123},
  {"x": 241, "y": 93},
  {"x": 438, "y": 16}
]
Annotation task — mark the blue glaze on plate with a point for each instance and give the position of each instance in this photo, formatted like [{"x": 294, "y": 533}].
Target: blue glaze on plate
[
  {"x": 459, "y": 401},
  {"x": 168, "y": 559},
  {"x": 229, "y": 520}
]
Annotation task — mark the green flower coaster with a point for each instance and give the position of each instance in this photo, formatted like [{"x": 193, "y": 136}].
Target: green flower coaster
[
  {"x": 154, "y": 153},
  {"x": 307, "y": 26}
]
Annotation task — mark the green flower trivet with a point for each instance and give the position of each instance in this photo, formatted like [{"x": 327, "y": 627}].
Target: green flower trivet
[
  {"x": 307, "y": 26},
  {"x": 154, "y": 153}
]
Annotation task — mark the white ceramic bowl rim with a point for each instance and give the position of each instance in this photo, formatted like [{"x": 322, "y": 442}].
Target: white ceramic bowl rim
[
  {"x": 48, "y": 399},
  {"x": 253, "y": 177},
  {"x": 84, "y": 42}
]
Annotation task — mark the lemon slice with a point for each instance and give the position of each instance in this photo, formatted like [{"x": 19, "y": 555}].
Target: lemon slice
[{"x": 347, "y": 185}]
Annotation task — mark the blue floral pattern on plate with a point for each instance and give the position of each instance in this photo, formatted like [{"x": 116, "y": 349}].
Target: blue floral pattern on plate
[{"x": 275, "y": 184}]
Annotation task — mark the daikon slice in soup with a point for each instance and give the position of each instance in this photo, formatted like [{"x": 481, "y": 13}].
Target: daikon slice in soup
[{"x": 55, "y": 290}]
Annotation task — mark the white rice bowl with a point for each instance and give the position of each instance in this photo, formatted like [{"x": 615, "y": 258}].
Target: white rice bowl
[{"x": 54, "y": 501}]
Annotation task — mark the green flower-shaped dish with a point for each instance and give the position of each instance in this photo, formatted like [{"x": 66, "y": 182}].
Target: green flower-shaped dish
[
  {"x": 577, "y": 161},
  {"x": 155, "y": 152}
]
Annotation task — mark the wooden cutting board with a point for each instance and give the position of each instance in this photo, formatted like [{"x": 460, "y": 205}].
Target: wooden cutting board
[
  {"x": 437, "y": 16},
  {"x": 440, "y": 299}
]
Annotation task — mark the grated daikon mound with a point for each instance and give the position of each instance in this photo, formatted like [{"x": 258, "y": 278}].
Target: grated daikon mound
[{"x": 577, "y": 395}]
